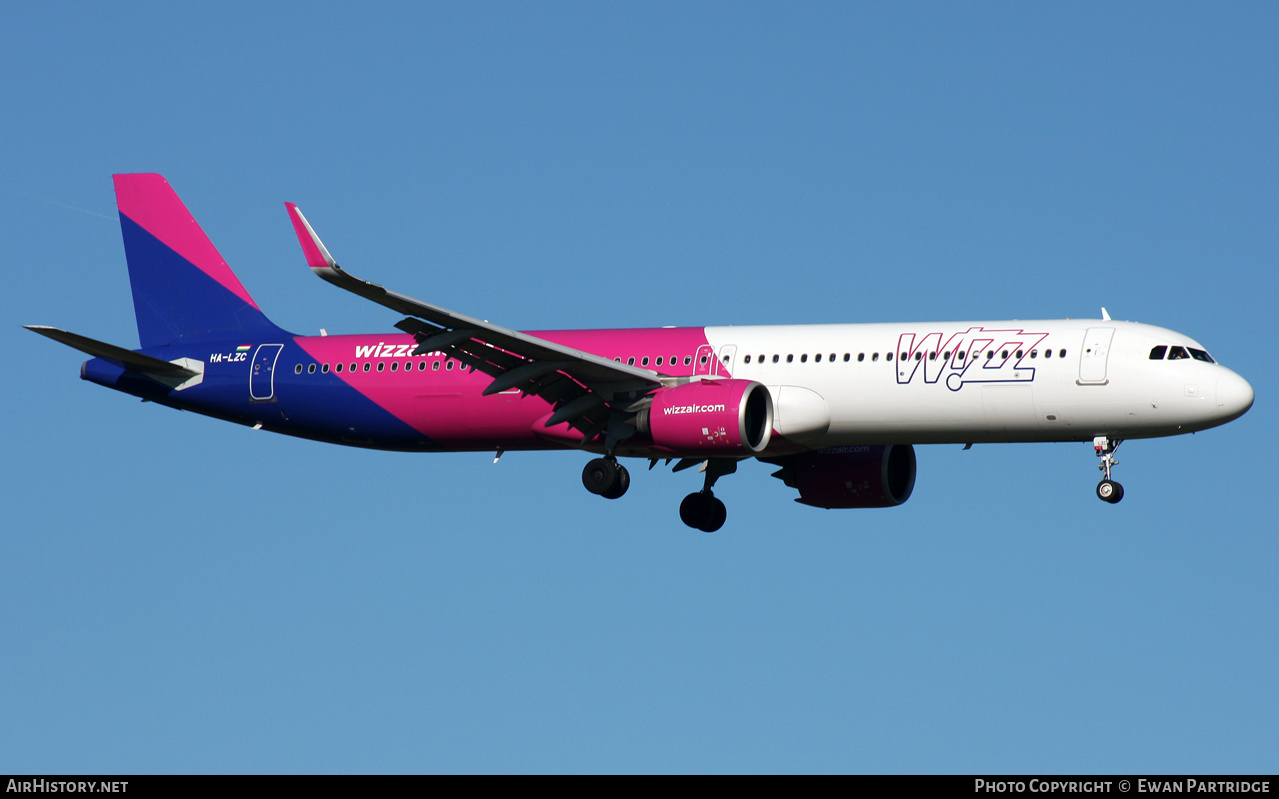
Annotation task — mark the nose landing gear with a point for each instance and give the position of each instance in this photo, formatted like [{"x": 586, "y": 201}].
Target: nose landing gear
[{"x": 1107, "y": 490}]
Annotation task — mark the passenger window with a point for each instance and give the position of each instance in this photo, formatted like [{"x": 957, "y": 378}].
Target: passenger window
[
  {"x": 1034, "y": 353},
  {"x": 790, "y": 359},
  {"x": 1061, "y": 353},
  {"x": 803, "y": 358},
  {"x": 932, "y": 356},
  {"x": 631, "y": 361},
  {"x": 1157, "y": 353},
  {"x": 644, "y": 361},
  {"x": 861, "y": 356},
  {"x": 1020, "y": 353},
  {"x": 1177, "y": 354},
  {"x": 659, "y": 360},
  {"x": 688, "y": 360},
  {"x": 775, "y": 357},
  {"x": 366, "y": 366},
  {"x": 381, "y": 366},
  {"x": 817, "y": 358},
  {"x": 325, "y": 368},
  {"x": 747, "y": 359},
  {"x": 352, "y": 369},
  {"x": 338, "y": 367},
  {"x": 1048, "y": 353},
  {"x": 874, "y": 357},
  {"x": 435, "y": 367},
  {"x": 395, "y": 365},
  {"x": 888, "y": 356},
  {"x": 297, "y": 370}
]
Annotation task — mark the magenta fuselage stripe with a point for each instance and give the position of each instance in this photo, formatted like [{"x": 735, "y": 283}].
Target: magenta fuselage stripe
[
  {"x": 153, "y": 205},
  {"x": 447, "y": 405}
]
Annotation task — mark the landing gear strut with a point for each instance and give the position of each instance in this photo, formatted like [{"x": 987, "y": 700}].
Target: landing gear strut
[
  {"x": 1107, "y": 490},
  {"x": 701, "y": 510},
  {"x": 606, "y": 477}
]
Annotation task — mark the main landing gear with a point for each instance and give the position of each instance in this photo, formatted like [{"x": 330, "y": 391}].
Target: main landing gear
[
  {"x": 1107, "y": 490},
  {"x": 606, "y": 477},
  {"x": 701, "y": 510}
]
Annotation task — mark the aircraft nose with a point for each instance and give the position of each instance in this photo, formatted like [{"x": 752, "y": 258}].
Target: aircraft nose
[{"x": 1234, "y": 396}]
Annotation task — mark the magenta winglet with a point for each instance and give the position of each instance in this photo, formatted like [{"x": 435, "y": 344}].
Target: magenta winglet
[
  {"x": 154, "y": 206},
  {"x": 314, "y": 258}
]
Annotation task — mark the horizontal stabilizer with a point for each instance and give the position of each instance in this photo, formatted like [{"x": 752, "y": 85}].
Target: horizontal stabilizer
[{"x": 127, "y": 359}]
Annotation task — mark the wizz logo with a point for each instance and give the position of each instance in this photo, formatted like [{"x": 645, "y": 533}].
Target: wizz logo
[{"x": 976, "y": 355}]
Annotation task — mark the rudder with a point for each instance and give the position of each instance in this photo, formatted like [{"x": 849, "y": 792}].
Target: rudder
[{"x": 182, "y": 287}]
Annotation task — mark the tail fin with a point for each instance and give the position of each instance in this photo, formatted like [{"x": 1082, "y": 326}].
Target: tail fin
[{"x": 182, "y": 287}]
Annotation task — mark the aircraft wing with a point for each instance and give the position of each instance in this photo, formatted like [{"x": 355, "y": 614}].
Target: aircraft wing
[{"x": 581, "y": 386}]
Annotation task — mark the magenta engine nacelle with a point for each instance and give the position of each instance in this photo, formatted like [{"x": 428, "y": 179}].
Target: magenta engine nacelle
[{"x": 710, "y": 417}]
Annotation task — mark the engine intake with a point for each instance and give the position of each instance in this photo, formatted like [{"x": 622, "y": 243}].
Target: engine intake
[{"x": 709, "y": 417}]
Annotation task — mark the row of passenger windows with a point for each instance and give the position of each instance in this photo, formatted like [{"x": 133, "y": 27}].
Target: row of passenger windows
[
  {"x": 449, "y": 365},
  {"x": 1156, "y": 354},
  {"x": 1179, "y": 354},
  {"x": 674, "y": 360},
  {"x": 919, "y": 356}
]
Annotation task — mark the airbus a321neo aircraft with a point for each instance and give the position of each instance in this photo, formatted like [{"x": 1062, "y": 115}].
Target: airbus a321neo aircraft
[{"x": 836, "y": 409}]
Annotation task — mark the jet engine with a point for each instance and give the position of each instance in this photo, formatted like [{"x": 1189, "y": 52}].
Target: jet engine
[
  {"x": 851, "y": 477},
  {"x": 709, "y": 418}
]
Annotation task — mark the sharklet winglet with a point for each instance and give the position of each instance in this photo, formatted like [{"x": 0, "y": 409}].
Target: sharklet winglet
[{"x": 317, "y": 255}]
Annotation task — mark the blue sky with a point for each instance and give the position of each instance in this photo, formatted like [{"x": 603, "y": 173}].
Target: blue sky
[{"x": 184, "y": 595}]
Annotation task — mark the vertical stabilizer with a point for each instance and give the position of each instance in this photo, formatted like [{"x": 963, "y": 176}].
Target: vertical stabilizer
[{"x": 182, "y": 288}]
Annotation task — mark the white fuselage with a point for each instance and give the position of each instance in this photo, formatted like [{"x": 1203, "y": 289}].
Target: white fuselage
[{"x": 1054, "y": 380}]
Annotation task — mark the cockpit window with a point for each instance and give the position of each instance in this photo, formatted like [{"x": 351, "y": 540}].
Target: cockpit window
[
  {"x": 1157, "y": 353},
  {"x": 1177, "y": 354},
  {"x": 1200, "y": 355}
]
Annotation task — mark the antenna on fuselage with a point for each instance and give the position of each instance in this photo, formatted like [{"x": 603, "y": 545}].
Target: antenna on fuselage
[{"x": 1104, "y": 315}]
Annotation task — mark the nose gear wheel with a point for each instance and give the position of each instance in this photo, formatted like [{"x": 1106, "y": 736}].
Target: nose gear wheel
[{"x": 1107, "y": 490}]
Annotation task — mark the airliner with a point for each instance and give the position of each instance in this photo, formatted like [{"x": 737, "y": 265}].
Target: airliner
[{"x": 836, "y": 409}]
